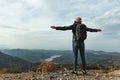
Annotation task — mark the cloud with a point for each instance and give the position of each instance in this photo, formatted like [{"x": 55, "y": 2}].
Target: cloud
[
  {"x": 26, "y": 23},
  {"x": 110, "y": 22},
  {"x": 13, "y": 27},
  {"x": 108, "y": 39}
]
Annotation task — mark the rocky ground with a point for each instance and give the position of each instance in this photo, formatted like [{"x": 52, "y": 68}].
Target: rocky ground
[{"x": 60, "y": 75}]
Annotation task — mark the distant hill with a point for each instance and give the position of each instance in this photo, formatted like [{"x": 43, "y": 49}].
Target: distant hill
[
  {"x": 66, "y": 56},
  {"x": 92, "y": 57},
  {"x": 7, "y": 61},
  {"x": 30, "y": 55}
]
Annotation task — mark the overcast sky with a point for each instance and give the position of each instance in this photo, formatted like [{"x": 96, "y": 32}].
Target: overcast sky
[{"x": 26, "y": 23}]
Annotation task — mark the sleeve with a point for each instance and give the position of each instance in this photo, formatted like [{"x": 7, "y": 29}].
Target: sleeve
[
  {"x": 64, "y": 27},
  {"x": 90, "y": 29}
]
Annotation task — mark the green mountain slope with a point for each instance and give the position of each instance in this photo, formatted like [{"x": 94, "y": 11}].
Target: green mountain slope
[
  {"x": 92, "y": 57},
  {"x": 7, "y": 61}
]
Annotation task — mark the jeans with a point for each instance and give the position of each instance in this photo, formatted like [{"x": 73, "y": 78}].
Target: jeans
[{"x": 79, "y": 46}]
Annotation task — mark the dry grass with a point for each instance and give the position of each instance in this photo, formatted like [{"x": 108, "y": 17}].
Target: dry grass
[{"x": 46, "y": 67}]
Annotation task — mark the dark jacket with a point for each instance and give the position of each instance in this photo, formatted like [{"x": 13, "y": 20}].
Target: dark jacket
[{"x": 83, "y": 29}]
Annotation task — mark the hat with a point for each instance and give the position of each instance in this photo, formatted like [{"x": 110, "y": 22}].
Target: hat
[{"x": 78, "y": 19}]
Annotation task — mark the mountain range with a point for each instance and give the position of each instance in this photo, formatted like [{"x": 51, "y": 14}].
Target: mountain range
[
  {"x": 7, "y": 61},
  {"x": 63, "y": 57}
]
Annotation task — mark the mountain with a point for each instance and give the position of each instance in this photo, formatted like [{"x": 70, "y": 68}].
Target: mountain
[
  {"x": 64, "y": 57},
  {"x": 7, "y": 61},
  {"x": 101, "y": 57},
  {"x": 30, "y": 55}
]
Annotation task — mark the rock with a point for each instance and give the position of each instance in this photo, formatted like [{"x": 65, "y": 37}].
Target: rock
[
  {"x": 47, "y": 67},
  {"x": 1, "y": 78},
  {"x": 116, "y": 72}
]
